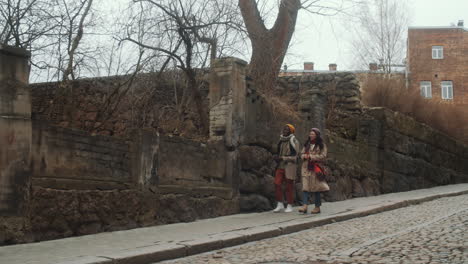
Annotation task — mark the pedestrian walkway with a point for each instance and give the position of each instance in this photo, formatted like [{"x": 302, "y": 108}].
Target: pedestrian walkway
[{"x": 146, "y": 245}]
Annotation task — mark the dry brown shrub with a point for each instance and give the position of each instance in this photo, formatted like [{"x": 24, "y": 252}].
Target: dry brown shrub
[
  {"x": 391, "y": 93},
  {"x": 281, "y": 108}
]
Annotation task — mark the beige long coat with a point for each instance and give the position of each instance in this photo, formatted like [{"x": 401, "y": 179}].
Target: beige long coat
[{"x": 310, "y": 183}]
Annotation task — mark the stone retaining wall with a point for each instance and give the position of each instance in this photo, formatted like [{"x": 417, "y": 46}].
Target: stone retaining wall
[
  {"x": 371, "y": 151},
  {"x": 83, "y": 184},
  {"x": 71, "y": 159},
  {"x": 62, "y": 213},
  {"x": 117, "y": 105}
]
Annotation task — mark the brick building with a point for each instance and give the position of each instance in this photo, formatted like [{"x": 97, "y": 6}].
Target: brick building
[
  {"x": 437, "y": 65},
  {"x": 437, "y": 62}
]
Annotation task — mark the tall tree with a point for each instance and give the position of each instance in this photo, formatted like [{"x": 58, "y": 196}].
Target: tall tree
[
  {"x": 269, "y": 45},
  {"x": 380, "y": 32}
]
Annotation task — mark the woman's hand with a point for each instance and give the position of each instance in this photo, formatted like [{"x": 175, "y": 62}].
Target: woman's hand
[{"x": 277, "y": 158}]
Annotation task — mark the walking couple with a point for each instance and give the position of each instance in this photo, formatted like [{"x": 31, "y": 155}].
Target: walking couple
[{"x": 313, "y": 153}]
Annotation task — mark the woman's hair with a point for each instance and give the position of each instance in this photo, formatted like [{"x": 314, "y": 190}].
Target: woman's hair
[{"x": 318, "y": 140}]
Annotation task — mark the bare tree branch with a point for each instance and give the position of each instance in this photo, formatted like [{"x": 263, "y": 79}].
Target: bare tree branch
[{"x": 76, "y": 41}]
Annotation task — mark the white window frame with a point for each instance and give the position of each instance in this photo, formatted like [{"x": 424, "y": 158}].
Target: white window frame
[
  {"x": 446, "y": 90},
  {"x": 426, "y": 89},
  {"x": 437, "y": 52}
]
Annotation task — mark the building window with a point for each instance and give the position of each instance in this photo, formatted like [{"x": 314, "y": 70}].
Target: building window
[
  {"x": 437, "y": 52},
  {"x": 447, "y": 90},
  {"x": 426, "y": 90}
]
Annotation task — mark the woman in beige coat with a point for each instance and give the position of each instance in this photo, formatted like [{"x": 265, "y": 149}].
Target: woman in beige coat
[{"x": 313, "y": 153}]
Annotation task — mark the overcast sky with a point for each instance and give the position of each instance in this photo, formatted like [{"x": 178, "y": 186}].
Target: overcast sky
[{"x": 323, "y": 40}]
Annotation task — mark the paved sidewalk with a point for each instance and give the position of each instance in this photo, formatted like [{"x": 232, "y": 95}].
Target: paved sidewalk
[{"x": 146, "y": 245}]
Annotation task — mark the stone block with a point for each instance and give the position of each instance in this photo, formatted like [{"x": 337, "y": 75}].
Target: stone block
[{"x": 254, "y": 203}]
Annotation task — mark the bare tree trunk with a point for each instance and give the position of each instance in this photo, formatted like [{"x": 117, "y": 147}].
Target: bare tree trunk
[
  {"x": 202, "y": 112},
  {"x": 76, "y": 42},
  {"x": 269, "y": 46}
]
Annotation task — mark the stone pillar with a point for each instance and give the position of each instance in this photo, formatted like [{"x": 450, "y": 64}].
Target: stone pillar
[
  {"x": 15, "y": 131},
  {"x": 313, "y": 108},
  {"x": 227, "y": 100},
  {"x": 145, "y": 160},
  {"x": 227, "y": 96}
]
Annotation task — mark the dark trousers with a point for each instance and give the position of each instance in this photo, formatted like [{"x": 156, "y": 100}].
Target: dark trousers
[
  {"x": 280, "y": 178},
  {"x": 317, "y": 200}
]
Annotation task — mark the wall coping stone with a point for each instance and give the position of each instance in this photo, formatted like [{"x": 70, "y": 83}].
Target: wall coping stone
[{"x": 14, "y": 51}]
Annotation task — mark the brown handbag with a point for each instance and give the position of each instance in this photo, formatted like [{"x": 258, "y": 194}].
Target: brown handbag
[{"x": 322, "y": 175}]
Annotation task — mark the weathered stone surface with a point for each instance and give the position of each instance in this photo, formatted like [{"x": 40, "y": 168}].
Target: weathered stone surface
[
  {"x": 253, "y": 157},
  {"x": 14, "y": 230},
  {"x": 78, "y": 212},
  {"x": 249, "y": 182},
  {"x": 358, "y": 189},
  {"x": 371, "y": 151},
  {"x": 15, "y": 144},
  {"x": 267, "y": 186},
  {"x": 254, "y": 203}
]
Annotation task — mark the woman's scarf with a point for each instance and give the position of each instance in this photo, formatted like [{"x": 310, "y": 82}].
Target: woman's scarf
[
  {"x": 312, "y": 165},
  {"x": 293, "y": 143}
]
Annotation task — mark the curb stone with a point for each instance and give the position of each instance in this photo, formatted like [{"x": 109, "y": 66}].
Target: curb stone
[
  {"x": 165, "y": 242},
  {"x": 234, "y": 238}
]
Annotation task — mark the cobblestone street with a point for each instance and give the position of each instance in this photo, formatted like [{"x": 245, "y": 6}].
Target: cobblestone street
[{"x": 431, "y": 232}]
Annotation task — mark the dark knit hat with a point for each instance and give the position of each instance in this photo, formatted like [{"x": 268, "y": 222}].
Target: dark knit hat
[{"x": 316, "y": 130}]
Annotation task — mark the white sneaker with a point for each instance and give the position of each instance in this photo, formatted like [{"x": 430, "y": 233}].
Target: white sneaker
[
  {"x": 279, "y": 208},
  {"x": 289, "y": 209}
]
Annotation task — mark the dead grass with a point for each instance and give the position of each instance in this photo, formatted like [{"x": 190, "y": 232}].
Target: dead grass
[
  {"x": 440, "y": 114},
  {"x": 281, "y": 108}
]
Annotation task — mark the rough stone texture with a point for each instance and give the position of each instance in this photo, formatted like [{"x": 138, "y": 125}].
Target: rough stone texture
[
  {"x": 15, "y": 229},
  {"x": 191, "y": 163},
  {"x": 71, "y": 159},
  {"x": 265, "y": 119},
  {"x": 117, "y": 105},
  {"x": 371, "y": 151},
  {"x": 254, "y": 203},
  {"x": 170, "y": 179},
  {"x": 393, "y": 153},
  {"x": 81, "y": 212},
  {"x": 227, "y": 100},
  {"x": 256, "y": 178},
  {"x": 254, "y": 158},
  {"x": 84, "y": 183},
  {"x": 329, "y": 100},
  {"x": 15, "y": 143}
]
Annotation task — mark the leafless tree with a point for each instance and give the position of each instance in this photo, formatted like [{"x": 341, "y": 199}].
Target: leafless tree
[
  {"x": 269, "y": 45},
  {"x": 189, "y": 33},
  {"x": 22, "y": 22},
  {"x": 69, "y": 55},
  {"x": 74, "y": 33},
  {"x": 379, "y": 36},
  {"x": 53, "y": 31}
]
